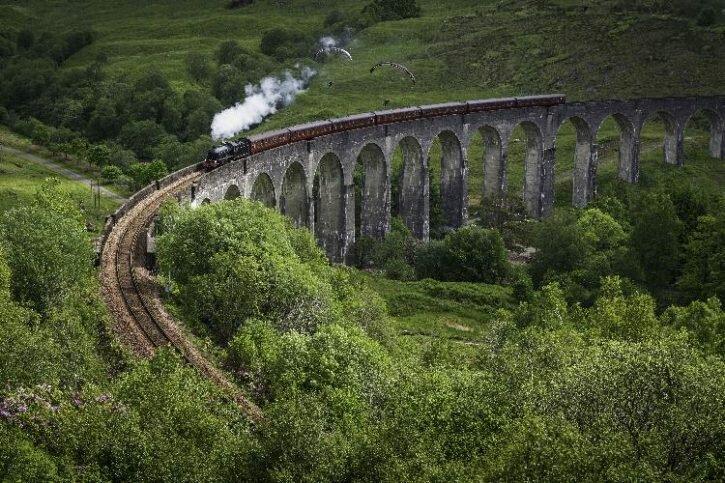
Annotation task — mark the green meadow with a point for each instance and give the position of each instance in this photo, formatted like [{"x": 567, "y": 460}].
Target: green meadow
[
  {"x": 461, "y": 49},
  {"x": 20, "y": 179}
]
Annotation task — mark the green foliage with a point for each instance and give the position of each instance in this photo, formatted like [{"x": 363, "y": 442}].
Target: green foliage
[
  {"x": 334, "y": 358},
  {"x": 227, "y": 84},
  {"x": 396, "y": 253},
  {"x": 470, "y": 254},
  {"x": 46, "y": 249},
  {"x": 703, "y": 273},
  {"x": 122, "y": 158},
  {"x": 654, "y": 218},
  {"x": 197, "y": 65},
  {"x": 578, "y": 250},
  {"x": 617, "y": 316},
  {"x": 705, "y": 320},
  {"x": 381, "y": 10},
  {"x": 228, "y": 51},
  {"x": 248, "y": 262},
  {"x": 20, "y": 460},
  {"x": 144, "y": 173},
  {"x": 284, "y": 44},
  {"x": 707, "y": 17},
  {"x": 111, "y": 173},
  {"x": 141, "y": 137},
  {"x": 98, "y": 154},
  {"x": 612, "y": 410},
  {"x": 546, "y": 391}
]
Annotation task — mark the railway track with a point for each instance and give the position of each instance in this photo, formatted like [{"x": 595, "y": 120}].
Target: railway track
[{"x": 132, "y": 297}]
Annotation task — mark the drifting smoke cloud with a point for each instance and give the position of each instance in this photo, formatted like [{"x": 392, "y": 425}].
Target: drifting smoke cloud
[
  {"x": 260, "y": 101},
  {"x": 327, "y": 42}
]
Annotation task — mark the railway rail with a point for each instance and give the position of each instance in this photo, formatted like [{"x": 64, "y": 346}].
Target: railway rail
[{"x": 131, "y": 294}]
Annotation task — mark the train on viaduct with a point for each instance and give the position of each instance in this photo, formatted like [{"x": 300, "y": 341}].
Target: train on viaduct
[{"x": 281, "y": 171}]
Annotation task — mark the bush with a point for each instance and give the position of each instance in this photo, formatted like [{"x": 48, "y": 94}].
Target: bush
[
  {"x": 332, "y": 18},
  {"x": 122, "y": 158},
  {"x": 197, "y": 65},
  {"x": 381, "y": 10},
  {"x": 47, "y": 249},
  {"x": 141, "y": 137},
  {"x": 111, "y": 173},
  {"x": 144, "y": 173},
  {"x": 396, "y": 253},
  {"x": 707, "y": 17},
  {"x": 470, "y": 254},
  {"x": 227, "y": 85},
  {"x": 227, "y": 52},
  {"x": 248, "y": 262},
  {"x": 522, "y": 284},
  {"x": 284, "y": 44}
]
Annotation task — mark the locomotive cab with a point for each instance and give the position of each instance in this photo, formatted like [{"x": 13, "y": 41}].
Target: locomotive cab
[{"x": 217, "y": 156}]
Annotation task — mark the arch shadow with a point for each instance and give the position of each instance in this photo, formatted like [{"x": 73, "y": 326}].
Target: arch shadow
[
  {"x": 372, "y": 193},
  {"x": 453, "y": 192},
  {"x": 263, "y": 190},
  {"x": 670, "y": 146},
  {"x": 293, "y": 200},
  {"x": 628, "y": 147},
  {"x": 329, "y": 206},
  {"x": 232, "y": 193},
  {"x": 413, "y": 195},
  {"x": 533, "y": 158},
  {"x": 584, "y": 185},
  {"x": 716, "y": 142}
]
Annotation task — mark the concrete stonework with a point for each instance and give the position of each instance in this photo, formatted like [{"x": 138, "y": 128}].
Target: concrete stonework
[{"x": 284, "y": 177}]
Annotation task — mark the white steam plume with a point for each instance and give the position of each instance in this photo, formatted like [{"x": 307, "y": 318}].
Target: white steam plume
[
  {"x": 327, "y": 42},
  {"x": 261, "y": 100}
]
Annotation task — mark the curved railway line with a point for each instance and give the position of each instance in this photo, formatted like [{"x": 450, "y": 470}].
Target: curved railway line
[{"x": 131, "y": 294}]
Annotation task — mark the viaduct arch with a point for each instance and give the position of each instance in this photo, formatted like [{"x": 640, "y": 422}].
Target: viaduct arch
[{"x": 312, "y": 181}]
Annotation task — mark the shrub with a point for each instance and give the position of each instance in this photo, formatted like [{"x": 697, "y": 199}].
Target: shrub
[
  {"x": 248, "y": 262},
  {"x": 47, "y": 249},
  {"x": 227, "y": 52},
  {"x": 396, "y": 253},
  {"x": 332, "y": 18},
  {"x": 144, "y": 173},
  {"x": 707, "y": 17},
  {"x": 141, "y": 137},
  {"x": 197, "y": 65},
  {"x": 284, "y": 44},
  {"x": 111, "y": 173},
  {"x": 470, "y": 254},
  {"x": 381, "y": 10}
]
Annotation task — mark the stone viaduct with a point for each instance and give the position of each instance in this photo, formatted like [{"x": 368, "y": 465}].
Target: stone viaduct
[{"x": 284, "y": 177}]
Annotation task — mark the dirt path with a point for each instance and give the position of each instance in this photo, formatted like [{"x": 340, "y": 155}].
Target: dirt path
[{"x": 65, "y": 172}]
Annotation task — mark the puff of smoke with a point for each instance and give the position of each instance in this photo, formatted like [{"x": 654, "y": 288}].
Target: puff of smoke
[
  {"x": 327, "y": 42},
  {"x": 260, "y": 101}
]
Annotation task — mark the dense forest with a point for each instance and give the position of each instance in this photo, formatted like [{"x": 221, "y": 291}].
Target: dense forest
[
  {"x": 600, "y": 357},
  {"x": 627, "y": 389}
]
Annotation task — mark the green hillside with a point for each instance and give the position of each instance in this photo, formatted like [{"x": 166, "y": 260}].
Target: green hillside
[{"x": 460, "y": 49}]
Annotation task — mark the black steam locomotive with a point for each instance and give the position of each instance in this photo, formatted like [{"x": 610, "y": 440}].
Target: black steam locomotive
[
  {"x": 225, "y": 153},
  {"x": 229, "y": 151}
]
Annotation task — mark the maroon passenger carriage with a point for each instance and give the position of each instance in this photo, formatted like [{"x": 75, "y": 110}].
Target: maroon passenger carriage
[{"x": 232, "y": 151}]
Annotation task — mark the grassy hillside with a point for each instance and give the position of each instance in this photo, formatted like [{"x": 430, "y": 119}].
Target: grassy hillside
[
  {"x": 458, "y": 49},
  {"x": 20, "y": 179}
]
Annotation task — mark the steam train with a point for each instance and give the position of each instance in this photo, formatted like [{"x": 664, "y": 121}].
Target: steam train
[{"x": 233, "y": 150}]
